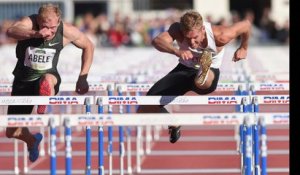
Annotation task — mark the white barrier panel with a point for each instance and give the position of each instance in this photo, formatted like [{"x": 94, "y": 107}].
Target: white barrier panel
[
  {"x": 93, "y": 86},
  {"x": 141, "y": 119},
  {"x": 192, "y": 100},
  {"x": 28, "y": 120},
  {"x": 45, "y": 100},
  {"x": 130, "y": 87},
  {"x": 172, "y": 100},
  {"x": 144, "y": 87}
]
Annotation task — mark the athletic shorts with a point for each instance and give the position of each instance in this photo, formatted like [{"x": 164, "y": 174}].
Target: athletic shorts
[
  {"x": 27, "y": 88},
  {"x": 181, "y": 80}
]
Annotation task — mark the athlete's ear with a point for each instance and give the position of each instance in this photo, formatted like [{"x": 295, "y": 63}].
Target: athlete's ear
[{"x": 202, "y": 28}]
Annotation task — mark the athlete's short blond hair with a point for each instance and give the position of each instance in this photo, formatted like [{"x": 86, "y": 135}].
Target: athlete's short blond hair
[
  {"x": 190, "y": 20},
  {"x": 46, "y": 8}
]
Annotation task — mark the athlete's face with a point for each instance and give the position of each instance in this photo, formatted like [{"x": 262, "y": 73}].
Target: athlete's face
[
  {"x": 194, "y": 37},
  {"x": 49, "y": 24}
]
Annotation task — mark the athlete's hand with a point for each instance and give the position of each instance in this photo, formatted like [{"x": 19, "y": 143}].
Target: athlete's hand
[
  {"x": 239, "y": 54},
  {"x": 184, "y": 54},
  {"x": 82, "y": 85},
  {"x": 43, "y": 33}
]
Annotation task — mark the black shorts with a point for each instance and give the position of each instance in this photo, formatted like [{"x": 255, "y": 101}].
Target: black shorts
[
  {"x": 27, "y": 88},
  {"x": 181, "y": 80}
]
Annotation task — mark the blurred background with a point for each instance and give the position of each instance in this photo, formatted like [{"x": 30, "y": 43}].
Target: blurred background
[{"x": 122, "y": 31}]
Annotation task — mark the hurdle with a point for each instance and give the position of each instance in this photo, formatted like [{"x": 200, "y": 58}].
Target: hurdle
[
  {"x": 137, "y": 89},
  {"x": 250, "y": 130},
  {"x": 165, "y": 100},
  {"x": 69, "y": 120},
  {"x": 41, "y": 100},
  {"x": 262, "y": 99}
]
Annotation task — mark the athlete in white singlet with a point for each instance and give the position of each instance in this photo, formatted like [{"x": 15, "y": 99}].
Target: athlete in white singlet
[{"x": 200, "y": 52}]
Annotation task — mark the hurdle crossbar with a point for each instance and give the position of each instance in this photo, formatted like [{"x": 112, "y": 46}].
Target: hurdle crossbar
[
  {"x": 144, "y": 87},
  {"x": 140, "y": 119},
  {"x": 191, "y": 100},
  {"x": 45, "y": 100}
]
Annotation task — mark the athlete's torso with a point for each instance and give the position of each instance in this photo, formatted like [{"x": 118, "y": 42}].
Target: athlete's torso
[
  {"x": 37, "y": 56},
  {"x": 217, "y": 56}
]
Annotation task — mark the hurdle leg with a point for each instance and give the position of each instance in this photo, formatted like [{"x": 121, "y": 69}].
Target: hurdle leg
[
  {"x": 138, "y": 148},
  {"x": 42, "y": 144},
  {"x": 157, "y": 130},
  {"x": 248, "y": 147},
  {"x": 128, "y": 140},
  {"x": 53, "y": 148},
  {"x": 256, "y": 149},
  {"x": 100, "y": 151},
  {"x": 100, "y": 140},
  {"x": 148, "y": 139},
  {"x": 263, "y": 132},
  {"x": 16, "y": 156},
  {"x": 25, "y": 169},
  {"x": 88, "y": 148},
  {"x": 68, "y": 145}
]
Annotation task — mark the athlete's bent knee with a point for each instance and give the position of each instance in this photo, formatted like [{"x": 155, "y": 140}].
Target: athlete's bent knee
[{"x": 10, "y": 132}]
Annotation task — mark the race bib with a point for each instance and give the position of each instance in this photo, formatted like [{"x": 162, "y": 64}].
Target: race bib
[{"x": 39, "y": 58}]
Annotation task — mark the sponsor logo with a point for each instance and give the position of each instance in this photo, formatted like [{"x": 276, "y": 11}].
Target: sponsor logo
[
  {"x": 271, "y": 86},
  {"x": 137, "y": 87},
  {"x": 95, "y": 120},
  {"x": 218, "y": 119},
  {"x": 53, "y": 44},
  {"x": 97, "y": 87},
  {"x": 276, "y": 99},
  {"x": 225, "y": 87},
  {"x": 5, "y": 88},
  {"x": 173, "y": 99},
  {"x": 25, "y": 121},
  {"x": 21, "y": 100},
  {"x": 63, "y": 100},
  {"x": 122, "y": 101},
  {"x": 281, "y": 119},
  {"x": 222, "y": 100}
]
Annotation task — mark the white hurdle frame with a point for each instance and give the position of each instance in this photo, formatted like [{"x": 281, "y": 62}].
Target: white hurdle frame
[
  {"x": 102, "y": 86},
  {"x": 262, "y": 99},
  {"x": 133, "y": 119},
  {"x": 39, "y": 100}
]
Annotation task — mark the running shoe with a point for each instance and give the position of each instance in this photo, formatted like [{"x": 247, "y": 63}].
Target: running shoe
[
  {"x": 174, "y": 133},
  {"x": 45, "y": 90},
  {"x": 34, "y": 151},
  {"x": 205, "y": 62}
]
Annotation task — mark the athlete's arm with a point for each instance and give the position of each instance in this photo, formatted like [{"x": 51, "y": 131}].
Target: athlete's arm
[
  {"x": 80, "y": 40},
  {"x": 164, "y": 42},
  {"x": 24, "y": 29},
  {"x": 224, "y": 35}
]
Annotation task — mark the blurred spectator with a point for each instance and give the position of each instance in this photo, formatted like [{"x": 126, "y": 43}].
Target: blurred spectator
[
  {"x": 123, "y": 30},
  {"x": 103, "y": 27},
  {"x": 283, "y": 33},
  {"x": 268, "y": 26},
  {"x": 255, "y": 31}
]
